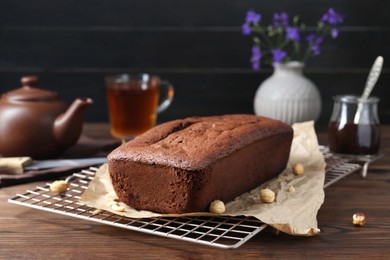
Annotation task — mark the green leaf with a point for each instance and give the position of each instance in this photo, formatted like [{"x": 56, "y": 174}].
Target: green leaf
[{"x": 295, "y": 19}]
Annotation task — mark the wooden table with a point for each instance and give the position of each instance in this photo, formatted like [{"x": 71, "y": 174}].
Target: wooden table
[{"x": 27, "y": 233}]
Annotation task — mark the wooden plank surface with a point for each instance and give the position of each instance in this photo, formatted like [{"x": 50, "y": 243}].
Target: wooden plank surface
[{"x": 27, "y": 233}]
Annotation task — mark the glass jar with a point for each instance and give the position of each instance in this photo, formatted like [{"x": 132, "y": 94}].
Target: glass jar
[{"x": 354, "y": 126}]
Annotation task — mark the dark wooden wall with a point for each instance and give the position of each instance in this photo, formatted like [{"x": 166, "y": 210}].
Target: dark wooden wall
[{"x": 197, "y": 45}]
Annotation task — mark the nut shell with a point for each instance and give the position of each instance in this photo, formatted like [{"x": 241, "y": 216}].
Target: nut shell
[
  {"x": 359, "y": 219},
  {"x": 267, "y": 195},
  {"x": 298, "y": 169},
  {"x": 217, "y": 207},
  {"x": 59, "y": 186}
]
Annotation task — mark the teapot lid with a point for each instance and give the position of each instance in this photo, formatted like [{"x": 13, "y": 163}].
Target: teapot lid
[{"x": 30, "y": 92}]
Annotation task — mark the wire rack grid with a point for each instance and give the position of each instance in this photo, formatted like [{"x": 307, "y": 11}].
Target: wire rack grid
[{"x": 219, "y": 231}]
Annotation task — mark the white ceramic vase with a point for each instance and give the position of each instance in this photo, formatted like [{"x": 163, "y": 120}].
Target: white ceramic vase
[{"x": 287, "y": 95}]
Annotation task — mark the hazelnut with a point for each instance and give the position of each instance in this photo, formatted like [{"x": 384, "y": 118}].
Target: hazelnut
[
  {"x": 267, "y": 195},
  {"x": 358, "y": 219},
  {"x": 217, "y": 207},
  {"x": 298, "y": 169},
  {"x": 291, "y": 189},
  {"x": 97, "y": 211},
  {"x": 118, "y": 208},
  {"x": 59, "y": 186}
]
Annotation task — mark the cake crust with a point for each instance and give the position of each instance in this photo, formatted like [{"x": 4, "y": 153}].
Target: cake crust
[{"x": 183, "y": 165}]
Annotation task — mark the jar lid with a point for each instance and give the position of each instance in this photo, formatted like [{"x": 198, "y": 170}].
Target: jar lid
[{"x": 30, "y": 92}]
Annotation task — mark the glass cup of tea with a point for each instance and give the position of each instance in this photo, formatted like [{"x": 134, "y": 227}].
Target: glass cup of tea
[
  {"x": 134, "y": 102},
  {"x": 354, "y": 127}
]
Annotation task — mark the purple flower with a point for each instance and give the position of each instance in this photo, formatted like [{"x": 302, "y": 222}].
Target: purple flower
[
  {"x": 246, "y": 29},
  {"x": 311, "y": 37},
  {"x": 256, "y": 57},
  {"x": 278, "y": 38},
  {"x": 256, "y": 66},
  {"x": 278, "y": 55},
  {"x": 315, "y": 42},
  {"x": 332, "y": 17},
  {"x": 292, "y": 33},
  {"x": 316, "y": 49},
  {"x": 252, "y": 17},
  {"x": 334, "y": 33},
  {"x": 280, "y": 19}
]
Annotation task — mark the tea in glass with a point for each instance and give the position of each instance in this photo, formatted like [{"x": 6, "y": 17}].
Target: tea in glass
[{"x": 133, "y": 103}]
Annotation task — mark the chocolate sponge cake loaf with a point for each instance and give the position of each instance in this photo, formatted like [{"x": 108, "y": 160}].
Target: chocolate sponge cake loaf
[{"x": 183, "y": 165}]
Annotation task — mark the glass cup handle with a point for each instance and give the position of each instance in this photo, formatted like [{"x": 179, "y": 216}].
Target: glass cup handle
[{"x": 170, "y": 92}]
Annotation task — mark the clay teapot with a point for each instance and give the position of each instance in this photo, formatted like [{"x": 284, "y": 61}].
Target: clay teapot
[{"x": 35, "y": 122}]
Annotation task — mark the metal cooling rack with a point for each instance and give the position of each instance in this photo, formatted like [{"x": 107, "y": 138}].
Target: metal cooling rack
[
  {"x": 363, "y": 160},
  {"x": 336, "y": 167},
  {"x": 220, "y": 231}
]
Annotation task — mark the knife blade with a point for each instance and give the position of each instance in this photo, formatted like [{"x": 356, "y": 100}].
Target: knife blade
[{"x": 47, "y": 164}]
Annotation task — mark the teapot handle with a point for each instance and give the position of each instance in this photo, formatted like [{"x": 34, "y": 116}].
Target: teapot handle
[{"x": 29, "y": 81}]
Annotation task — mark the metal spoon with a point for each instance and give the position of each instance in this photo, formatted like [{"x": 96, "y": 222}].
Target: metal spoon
[{"x": 370, "y": 83}]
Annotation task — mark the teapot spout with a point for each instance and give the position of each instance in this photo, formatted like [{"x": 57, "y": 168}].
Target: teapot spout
[{"x": 68, "y": 125}]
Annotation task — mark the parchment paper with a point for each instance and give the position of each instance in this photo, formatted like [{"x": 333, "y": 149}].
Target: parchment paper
[{"x": 298, "y": 198}]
